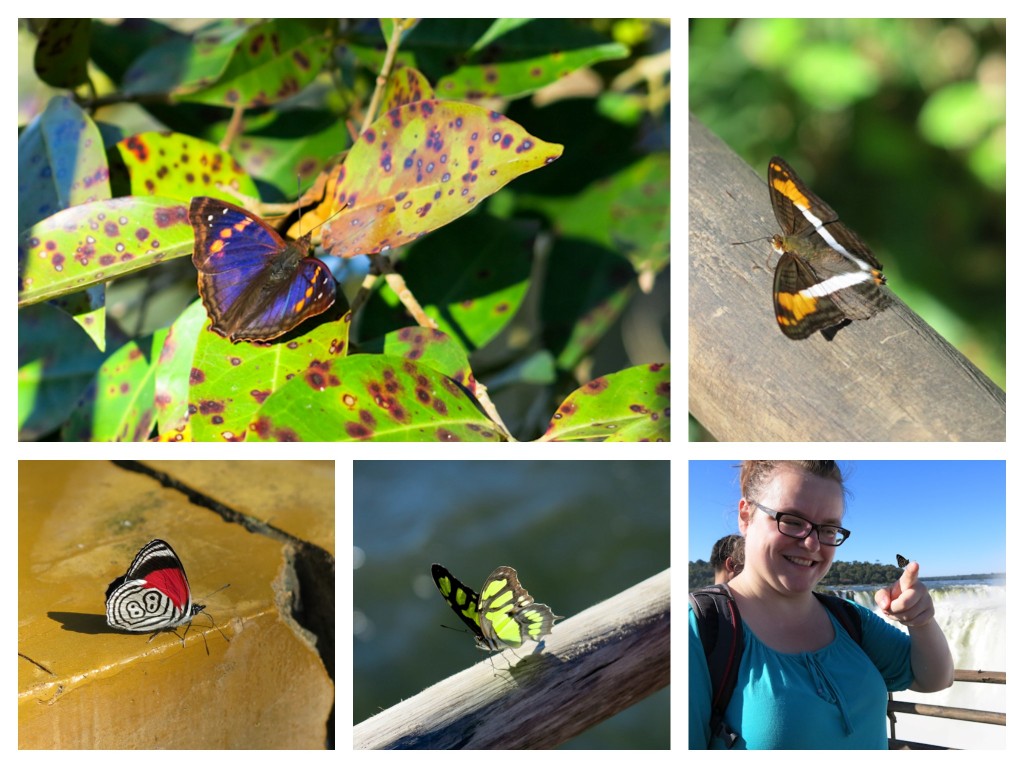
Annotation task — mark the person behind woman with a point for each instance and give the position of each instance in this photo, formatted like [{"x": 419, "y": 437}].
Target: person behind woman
[
  {"x": 803, "y": 682},
  {"x": 727, "y": 558}
]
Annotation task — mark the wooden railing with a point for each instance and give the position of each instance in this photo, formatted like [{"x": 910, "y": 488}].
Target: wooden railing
[{"x": 955, "y": 713}]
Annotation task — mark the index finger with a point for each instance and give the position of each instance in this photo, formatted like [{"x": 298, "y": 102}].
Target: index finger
[{"x": 909, "y": 576}]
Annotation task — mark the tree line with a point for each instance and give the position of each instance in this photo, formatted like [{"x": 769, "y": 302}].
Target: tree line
[{"x": 842, "y": 573}]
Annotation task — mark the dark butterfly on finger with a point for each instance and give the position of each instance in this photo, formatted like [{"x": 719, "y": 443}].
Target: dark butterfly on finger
[
  {"x": 901, "y": 561},
  {"x": 254, "y": 284}
]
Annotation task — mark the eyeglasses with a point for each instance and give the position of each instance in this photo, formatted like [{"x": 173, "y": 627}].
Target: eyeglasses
[{"x": 797, "y": 527}]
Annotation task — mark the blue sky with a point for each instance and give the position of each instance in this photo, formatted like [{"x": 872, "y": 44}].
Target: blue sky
[{"x": 950, "y": 516}]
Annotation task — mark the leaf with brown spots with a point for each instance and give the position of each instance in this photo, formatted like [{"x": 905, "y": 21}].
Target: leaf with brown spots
[
  {"x": 62, "y": 53},
  {"x": 434, "y": 349},
  {"x": 263, "y": 64},
  {"x": 517, "y": 57},
  {"x": 421, "y": 166},
  {"x": 374, "y": 397},
  {"x": 174, "y": 373},
  {"x": 628, "y": 406},
  {"x": 406, "y": 85},
  {"x": 93, "y": 243},
  {"x": 183, "y": 167},
  {"x": 231, "y": 382}
]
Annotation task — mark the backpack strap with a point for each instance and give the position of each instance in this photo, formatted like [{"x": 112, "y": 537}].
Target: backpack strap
[
  {"x": 845, "y": 614},
  {"x": 721, "y": 634},
  {"x": 718, "y": 619}
]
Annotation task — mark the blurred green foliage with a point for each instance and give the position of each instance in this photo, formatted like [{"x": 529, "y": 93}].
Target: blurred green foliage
[{"x": 900, "y": 125}]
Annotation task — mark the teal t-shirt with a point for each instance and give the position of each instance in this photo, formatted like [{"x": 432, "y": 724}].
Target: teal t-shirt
[{"x": 832, "y": 698}]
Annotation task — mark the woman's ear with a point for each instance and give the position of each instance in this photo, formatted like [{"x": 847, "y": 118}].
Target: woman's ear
[{"x": 746, "y": 511}]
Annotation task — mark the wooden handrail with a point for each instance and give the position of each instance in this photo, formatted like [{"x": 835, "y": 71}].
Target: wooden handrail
[
  {"x": 953, "y": 713},
  {"x": 978, "y": 676}
]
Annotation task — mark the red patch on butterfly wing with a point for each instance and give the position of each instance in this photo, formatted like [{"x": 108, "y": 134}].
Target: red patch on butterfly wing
[{"x": 172, "y": 582}]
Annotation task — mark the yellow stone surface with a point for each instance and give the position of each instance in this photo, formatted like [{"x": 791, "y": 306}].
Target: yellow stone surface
[{"x": 82, "y": 684}]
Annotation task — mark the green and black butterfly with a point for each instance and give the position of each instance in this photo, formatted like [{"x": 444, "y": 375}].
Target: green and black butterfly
[{"x": 503, "y": 614}]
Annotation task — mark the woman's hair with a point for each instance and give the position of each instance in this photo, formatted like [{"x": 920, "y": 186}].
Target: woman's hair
[
  {"x": 755, "y": 475},
  {"x": 726, "y": 547}
]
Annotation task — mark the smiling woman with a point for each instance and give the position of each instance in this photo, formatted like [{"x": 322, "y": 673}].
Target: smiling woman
[{"x": 804, "y": 671}]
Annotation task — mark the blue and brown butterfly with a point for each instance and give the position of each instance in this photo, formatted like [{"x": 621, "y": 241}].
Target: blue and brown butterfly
[
  {"x": 255, "y": 285},
  {"x": 826, "y": 276}
]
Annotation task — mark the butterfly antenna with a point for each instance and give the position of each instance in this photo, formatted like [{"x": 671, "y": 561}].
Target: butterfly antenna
[
  {"x": 219, "y": 589},
  {"x": 748, "y": 242}
]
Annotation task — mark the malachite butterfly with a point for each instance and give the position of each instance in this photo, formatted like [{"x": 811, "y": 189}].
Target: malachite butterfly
[
  {"x": 901, "y": 561},
  {"x": 502, "y": 615}
]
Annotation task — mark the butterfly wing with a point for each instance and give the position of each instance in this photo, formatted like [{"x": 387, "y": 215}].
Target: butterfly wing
[
  {"x": 798, "y": 312},
  {"x": 255, "y": 285},
  {"x": 901, "y": 561},
  {"x": 508, "y": 614},
  {"x": 826, "y": 276},
  {"x": 460, "y": 598},
  {"x": 153, "y": 594},
  {"x": 791, "y": 197}
]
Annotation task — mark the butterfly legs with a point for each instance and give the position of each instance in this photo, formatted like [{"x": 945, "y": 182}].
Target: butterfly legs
[{"x": 188, "y": 626}]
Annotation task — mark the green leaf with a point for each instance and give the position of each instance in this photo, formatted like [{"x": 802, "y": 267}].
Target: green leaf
[
  {"x": 174, "y": 371},
  {"x": 374, "y": 397},
  {"x": 61, "y": 163},
  {"x": 96, "y": 242},
  {"x": 471, "y": 277},
  {"x": 182, "y": 167},
  {"x": 119, "y": 406},
  {"x": 55, "y": 365},
  {"x": 631, "y": 405},
  {"x": 602, "y": 285},
  {"x": 234, "y": 64},
  {"x": 506, "y": 58},
  {"x": 231, "y": 382},
  {"x": 527, "y": 58},
  {"x": 627, "y": 212},
  {"x": 62, "y": 55}
]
